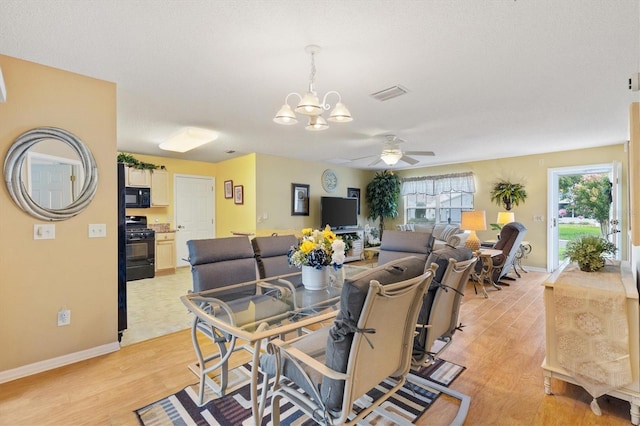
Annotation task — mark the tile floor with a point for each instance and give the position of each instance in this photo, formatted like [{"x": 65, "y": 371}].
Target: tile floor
[{"x": 154, "y": 307}]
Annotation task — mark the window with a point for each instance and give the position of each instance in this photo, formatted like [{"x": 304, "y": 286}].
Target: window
[
  {"x": 437, "y": 199},
  {"x": 442, "y": 208}
]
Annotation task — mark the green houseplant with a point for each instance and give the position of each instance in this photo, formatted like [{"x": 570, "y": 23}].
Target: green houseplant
[
  {"x": 382, "y": 197},
  {"x": 508, "y": 193},
  {"x": 130, "y": 161},
  {"x": 589, "y": 252}
]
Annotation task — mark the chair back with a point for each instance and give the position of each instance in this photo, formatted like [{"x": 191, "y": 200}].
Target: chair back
[
  {"x": 272, "y": 254},
  {"x": 382, "y": 343},
  {"x": 220, "y": 262},
  {"x": 511, "y": 236},
  {"x": 398, "y": 244},
  {"x": 443, "y": 312}
]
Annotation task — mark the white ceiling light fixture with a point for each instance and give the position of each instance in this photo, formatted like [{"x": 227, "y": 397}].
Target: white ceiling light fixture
[
  {"x": 391, "y": 156},
  {"x": 188, "y": 139},
  {"x": 310, "y": 104}
]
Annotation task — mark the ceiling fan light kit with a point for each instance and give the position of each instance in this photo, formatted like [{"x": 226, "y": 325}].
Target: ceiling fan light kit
[{"x": 311, "y": 106}]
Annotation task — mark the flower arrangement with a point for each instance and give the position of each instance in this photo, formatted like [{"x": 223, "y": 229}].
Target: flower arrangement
[
  {"x": 317, "y": 249},
  {"x": 588, "y": 251}
]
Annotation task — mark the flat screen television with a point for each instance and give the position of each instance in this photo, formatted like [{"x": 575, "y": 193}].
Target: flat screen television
[{"x": 339, "y": 212}]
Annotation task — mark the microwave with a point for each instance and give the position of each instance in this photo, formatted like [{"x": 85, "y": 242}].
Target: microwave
[{"x": 137, "y": 198}]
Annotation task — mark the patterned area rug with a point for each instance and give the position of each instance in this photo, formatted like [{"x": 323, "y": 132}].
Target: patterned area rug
[{"x": 235, "y": 407}]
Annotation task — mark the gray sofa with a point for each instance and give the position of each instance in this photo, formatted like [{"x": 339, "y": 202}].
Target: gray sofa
[{"x": 444, "y": 234}]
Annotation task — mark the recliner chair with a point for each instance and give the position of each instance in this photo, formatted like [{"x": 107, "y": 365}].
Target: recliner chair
[{"x": 511, "y": 236}]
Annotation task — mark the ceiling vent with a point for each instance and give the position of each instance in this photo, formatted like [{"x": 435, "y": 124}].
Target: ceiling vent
[{"x": 390, "y": 93}]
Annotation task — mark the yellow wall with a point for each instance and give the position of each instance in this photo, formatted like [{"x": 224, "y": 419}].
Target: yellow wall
[
  {"x": 174, "y": 166},
  {"x": 232, "y": 217},
  {"x": 40, "y": 277},
  {"x": 531, "y": 171},
  {"x": 273, "y": 198}
]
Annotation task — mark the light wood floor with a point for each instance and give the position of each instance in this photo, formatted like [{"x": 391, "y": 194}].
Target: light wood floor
[{"x": 502, "y": 346}]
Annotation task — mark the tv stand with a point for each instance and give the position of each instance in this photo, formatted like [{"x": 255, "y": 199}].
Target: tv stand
[{"x": 357, "y": 246}]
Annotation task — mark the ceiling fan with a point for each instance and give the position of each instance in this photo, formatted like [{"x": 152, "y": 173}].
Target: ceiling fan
[{"x": 391, "y": 153}]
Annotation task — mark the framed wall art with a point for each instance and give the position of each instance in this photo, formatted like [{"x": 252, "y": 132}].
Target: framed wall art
[
  {"x": 238, "y": 194},
  {"x": 228, "y": 189},
  {"x": 299, "y": 199},
  {"x": 354, "y": 193}
]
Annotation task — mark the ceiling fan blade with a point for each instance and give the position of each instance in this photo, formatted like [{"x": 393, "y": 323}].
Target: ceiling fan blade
[
  {"x": 375, "y": 162},
  {"x": 409, "y": 160},
  {"x": 362, "y": 158},
  {"x": 429, "y": 153}
]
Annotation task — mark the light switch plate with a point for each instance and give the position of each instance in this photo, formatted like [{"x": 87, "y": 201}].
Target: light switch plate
[
  {"x": 44, "y": 231},
  {"x": 97, "y": 230}
]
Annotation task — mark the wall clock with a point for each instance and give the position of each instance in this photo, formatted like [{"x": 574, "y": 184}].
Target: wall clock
[{"x": 329, "y": 180}]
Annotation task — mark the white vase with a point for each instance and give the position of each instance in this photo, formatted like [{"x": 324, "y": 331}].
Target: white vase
[{"x": 315, "y": 279}]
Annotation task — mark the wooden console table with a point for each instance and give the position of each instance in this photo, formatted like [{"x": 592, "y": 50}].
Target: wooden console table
[{"x": 614, "y": 282}]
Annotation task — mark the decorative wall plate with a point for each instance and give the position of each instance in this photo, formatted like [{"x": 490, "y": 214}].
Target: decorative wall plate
[{"x": 329, "y": 180}]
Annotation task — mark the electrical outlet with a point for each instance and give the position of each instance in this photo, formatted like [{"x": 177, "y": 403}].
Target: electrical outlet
[
  {"x": 64, "y": 317},
  {"x": 97, "y": 230}
]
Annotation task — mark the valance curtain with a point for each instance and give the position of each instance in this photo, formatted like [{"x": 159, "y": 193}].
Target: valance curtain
[{"x": 434, "y": 185}]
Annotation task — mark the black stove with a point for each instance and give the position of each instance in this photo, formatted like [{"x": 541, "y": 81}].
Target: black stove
[{"x": 140, "y": 248}]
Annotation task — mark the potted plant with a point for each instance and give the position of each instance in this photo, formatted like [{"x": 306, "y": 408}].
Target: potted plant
[
  {"x": 382, "y": 197},
  {"x": 508, "y": 193},
  {"x": 589, "y": 252},
  {"x": 348, "y": 242}
]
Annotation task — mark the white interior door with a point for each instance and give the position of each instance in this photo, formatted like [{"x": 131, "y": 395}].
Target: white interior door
[{"x": 194, "y": 212}]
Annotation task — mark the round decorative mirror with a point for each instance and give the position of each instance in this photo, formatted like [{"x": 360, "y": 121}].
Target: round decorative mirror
[{"x": 50, "y": 173}]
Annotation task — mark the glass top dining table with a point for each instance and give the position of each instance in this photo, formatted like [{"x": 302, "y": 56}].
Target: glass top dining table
[{"x": 284, "y": 306}]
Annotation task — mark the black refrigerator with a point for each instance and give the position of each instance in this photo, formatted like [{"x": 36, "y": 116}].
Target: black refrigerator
[{"x": 122, "y": 256}]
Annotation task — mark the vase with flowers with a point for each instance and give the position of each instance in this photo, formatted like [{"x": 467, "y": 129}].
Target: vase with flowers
[
  {"x": 316, "y": 252},
  {"x": 589, "y": 252}
]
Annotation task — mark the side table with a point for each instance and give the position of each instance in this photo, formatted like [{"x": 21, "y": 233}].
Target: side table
[
  {"x": 523, "y": 251},
  {"x": 486, "y": 272}
]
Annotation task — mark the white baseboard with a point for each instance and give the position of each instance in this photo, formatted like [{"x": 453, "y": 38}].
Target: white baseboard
[{"x": 49, "y": 364}]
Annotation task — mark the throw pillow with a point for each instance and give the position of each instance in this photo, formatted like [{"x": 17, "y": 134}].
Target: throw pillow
[
  {"x": 449, "y": 230},
  {"x": 437, "y": 230}
]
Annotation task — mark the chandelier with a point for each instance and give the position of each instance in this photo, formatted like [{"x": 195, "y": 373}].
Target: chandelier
[{"x": 310, "y": 104}]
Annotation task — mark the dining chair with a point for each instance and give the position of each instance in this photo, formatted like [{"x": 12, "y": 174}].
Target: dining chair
[
  {"x": 323, "y": 373},
  {"x": 223, "y": 263}
]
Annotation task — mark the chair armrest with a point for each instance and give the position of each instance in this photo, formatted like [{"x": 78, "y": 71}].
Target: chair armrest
[{"x": 297, "y": 356}]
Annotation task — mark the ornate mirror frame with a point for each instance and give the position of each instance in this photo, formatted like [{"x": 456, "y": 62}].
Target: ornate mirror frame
[{"x": 15, "y": 160}]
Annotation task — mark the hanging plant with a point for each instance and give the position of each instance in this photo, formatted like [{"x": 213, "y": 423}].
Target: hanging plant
[
  {"x": 130, "y": 161},
  {"x": 508, "y": 194}
]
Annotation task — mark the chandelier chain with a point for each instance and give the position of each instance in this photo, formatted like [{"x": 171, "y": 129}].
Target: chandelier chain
[{"x": 312, "y": 75}]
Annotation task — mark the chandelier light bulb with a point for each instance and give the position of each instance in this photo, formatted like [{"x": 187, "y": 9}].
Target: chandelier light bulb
[
  {"x": 317, "y": 123},
  {"x": 285, "y": 116}
]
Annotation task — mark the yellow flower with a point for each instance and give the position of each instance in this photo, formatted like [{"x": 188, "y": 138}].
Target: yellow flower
[
  {"x": 307, "y": 246},
  {"x": 307, "y": 231}
]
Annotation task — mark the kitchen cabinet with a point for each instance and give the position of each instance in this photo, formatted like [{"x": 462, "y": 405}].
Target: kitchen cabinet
[
  {"x": 165, "y": 252},
  {"x": 159, "y": 188},
  {"x": 137, "y": 177}
]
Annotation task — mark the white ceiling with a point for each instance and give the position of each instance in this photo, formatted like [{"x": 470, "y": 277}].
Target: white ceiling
[{"x": 486, "y": 79}]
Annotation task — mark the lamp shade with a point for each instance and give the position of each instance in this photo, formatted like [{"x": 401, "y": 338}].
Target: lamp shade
[
  {"x": 340, "y": 114},
  {"x": 473, "y": 221},
  {"x": 505, "y": 217},
  {"x": 317, "y": 123},
  {"x": 285, "y": 116},
  {"x": 309, "y": 105}
]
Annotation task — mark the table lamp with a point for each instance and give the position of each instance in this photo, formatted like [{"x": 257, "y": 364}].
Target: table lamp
[{"x": 473, "y": 221}]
